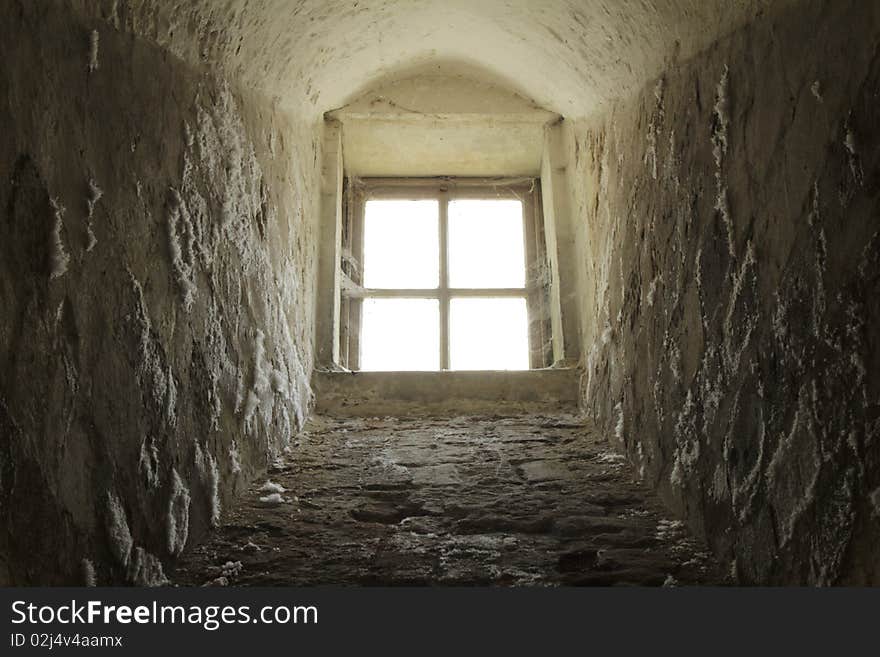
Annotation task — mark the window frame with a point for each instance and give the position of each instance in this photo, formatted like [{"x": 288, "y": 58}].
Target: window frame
[{"x": 536, "y": 290}]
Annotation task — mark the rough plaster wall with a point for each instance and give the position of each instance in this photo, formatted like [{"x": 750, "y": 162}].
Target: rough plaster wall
[
  {"x": 730, "y": 270},
  {"x": 571, "y": 56},
  {"x": 434, "y": 124},
  {"x": 156, "y": 283}
]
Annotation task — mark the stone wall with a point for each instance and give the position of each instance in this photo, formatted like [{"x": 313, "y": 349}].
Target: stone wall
[
  {"x": 730, "y": 271},
  {"x": 157, "y": 265}
]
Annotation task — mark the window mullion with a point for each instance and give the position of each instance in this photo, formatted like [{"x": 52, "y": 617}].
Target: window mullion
[
  {"x": 444, "y": 280},
  {"x": 357, "y": 305}
]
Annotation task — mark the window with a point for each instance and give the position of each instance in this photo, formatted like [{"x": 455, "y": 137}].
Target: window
[{"x": 443, "y": 274}]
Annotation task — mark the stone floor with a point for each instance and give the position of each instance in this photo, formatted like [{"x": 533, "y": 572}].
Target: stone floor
[{"x": 525, "y": 500}]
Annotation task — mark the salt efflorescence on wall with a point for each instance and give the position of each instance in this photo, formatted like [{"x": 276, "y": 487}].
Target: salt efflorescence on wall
[
  {"x": 157, "y": 251},
  {"x": 730, "y": 275}
]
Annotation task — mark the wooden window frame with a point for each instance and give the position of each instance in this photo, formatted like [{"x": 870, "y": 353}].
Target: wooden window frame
[{"x": 536, "y": 291}]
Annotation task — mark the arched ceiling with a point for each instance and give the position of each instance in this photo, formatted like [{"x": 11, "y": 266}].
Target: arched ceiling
[{"x": 570, "y": 56}]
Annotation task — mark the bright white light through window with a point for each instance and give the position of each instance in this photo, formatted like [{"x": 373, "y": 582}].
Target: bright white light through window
[
  {"x": 488, "y": 334},
  {"x": 406, "y": 291},
  {"x": 400, "y": 335},
  {"x": 486, "y": 248},
  {"x": 401, "y": 244}
]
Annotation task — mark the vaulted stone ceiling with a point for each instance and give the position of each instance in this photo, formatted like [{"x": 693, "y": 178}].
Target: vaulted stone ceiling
[{"x": 570, "y": 56}]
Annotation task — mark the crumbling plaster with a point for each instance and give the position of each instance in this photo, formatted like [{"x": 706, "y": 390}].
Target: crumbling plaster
[
  {"x": 157, "y": 270},
  {"x": 729, "y": 255}
]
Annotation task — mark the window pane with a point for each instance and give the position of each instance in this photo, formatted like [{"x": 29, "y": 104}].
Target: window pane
[
  {"x": 488, "y": 334},
  {"x": 486, "y": 246},
  {"x": 400, "y": 334},
  {"x": 401, "y": 244}
]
